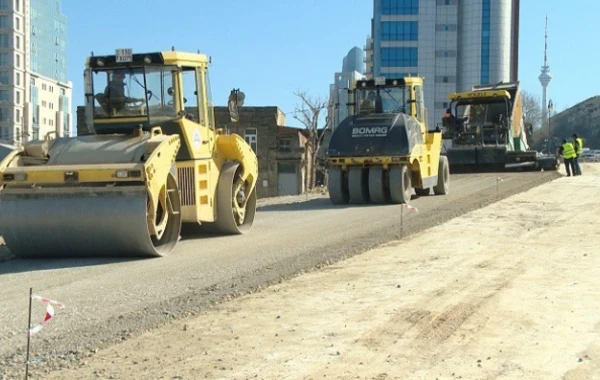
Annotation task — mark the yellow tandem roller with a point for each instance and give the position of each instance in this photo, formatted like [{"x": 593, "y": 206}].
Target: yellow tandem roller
[{"x": 153, "y": 162}]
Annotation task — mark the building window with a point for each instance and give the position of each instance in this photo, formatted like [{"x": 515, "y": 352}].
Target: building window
[
  {"x": 285, "y": 145},
  {"x": 18, "y": 116},
  {"x": 17, "y": 60},
  {"x": 18, "y": 5},
  {"x": 4, "y": 40},
  {"x": 3, "y": 4},
  {"x": 17, "y": 23},
  {"x": 400, "y": 31},
  {"x": 4, "y": 96},
  {"x": 32, "y": 81},
  {"x": 18, "y": 79},
  {"x": 4, "y": 77},
  {"x": 399, "y": 57},
  {"x": 3, "y": 21},
  {"x": 251, "y": 137},
  {"x": 18, "y": 97},
  {"x": 17, "y": 42},
  {"x": 400, "y": 7},
  {"x": 3, "y": 115}
]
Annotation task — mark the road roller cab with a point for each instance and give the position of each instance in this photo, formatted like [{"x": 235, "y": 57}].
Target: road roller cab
[
  {"x": 152, "y": 162},
  {"x": 384, "y": 150}
]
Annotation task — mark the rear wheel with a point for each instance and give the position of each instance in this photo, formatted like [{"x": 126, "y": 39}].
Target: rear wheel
[
  {"x": 338, "y": 191},
  {"x": 443, "y": 183},
  {"x": 422, "y": 192},
  {"x": 357, "y": 185},
  {"x": 377, "y": 187},
  {"x": 236, "y": 206},
  {"x": 400, "y": 184}
]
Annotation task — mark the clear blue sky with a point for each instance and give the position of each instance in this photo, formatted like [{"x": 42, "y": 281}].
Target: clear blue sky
[{"x": 271, "y": 48}]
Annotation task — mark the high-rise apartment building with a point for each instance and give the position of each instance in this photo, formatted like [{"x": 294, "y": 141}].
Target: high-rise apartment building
[
  {"x": 453, "y": 44},
  {"x": 353, "y": 67},
  {"x": 35, "y": 96}
]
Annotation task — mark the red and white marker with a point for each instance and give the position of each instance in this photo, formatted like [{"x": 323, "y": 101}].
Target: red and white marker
[
  {"x": 410, "y": 208},
  {"x": 49, "y": 313}
]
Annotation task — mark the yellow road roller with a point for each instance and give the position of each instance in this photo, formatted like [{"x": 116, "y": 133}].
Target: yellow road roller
[
  {"x": 384, "y": 149},
  {"x": 153, "y": 163}
]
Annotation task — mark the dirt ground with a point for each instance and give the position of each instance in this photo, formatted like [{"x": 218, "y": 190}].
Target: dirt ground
[{"x": 510, "y": 291}]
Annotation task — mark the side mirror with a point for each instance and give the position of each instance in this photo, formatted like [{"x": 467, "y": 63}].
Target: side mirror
[{"x": 236, "y": 100}]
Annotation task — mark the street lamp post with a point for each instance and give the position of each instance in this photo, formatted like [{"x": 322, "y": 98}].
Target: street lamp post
[{"x": 550, "y": 109}]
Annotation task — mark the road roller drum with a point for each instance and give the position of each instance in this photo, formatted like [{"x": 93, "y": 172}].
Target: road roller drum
[{"x": 149, "y": 166}]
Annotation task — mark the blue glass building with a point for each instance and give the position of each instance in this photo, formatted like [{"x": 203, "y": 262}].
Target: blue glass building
[{"x": 453, "y": 44}]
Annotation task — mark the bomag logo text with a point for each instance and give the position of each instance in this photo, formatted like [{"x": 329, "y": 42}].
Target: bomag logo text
[{"x": 369, "y": 131}]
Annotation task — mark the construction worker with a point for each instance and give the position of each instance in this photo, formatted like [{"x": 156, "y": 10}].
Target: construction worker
[
  {"x": 367, "y": 106},
  {"x": 451, "y": 122},
  {"x": 567, "y": 151},
  {"x": 578, "y": 145}
]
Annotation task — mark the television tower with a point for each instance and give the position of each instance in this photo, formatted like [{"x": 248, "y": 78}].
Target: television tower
[{"x": 545, "y": 78}]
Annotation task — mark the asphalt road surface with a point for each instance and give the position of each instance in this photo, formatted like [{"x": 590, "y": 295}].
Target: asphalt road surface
[{"x": 111, "y": 300}]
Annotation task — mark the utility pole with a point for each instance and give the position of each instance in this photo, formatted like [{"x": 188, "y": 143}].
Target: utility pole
[{"x": 550, "y": 109}]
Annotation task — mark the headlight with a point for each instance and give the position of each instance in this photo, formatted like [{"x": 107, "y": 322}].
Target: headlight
[
  {"x": 15, "y": 177},
  {"x": 122, "y": 173},
  {"x": 128, "y": 174}
]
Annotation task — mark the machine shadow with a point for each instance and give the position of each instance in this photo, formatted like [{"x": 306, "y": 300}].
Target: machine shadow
[
  {"x": 19, "y": 265},
  {"x": 318, "y": 204}
]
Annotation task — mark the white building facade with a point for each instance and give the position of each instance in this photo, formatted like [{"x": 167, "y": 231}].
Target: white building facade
[
  {"x": 453, "y": 44},
  {"x": 35, "y": 96},
  {"x": 353, "y": 68}
]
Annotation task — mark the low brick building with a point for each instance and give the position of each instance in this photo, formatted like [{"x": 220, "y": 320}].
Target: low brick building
[{"x": 279, "y": 148}]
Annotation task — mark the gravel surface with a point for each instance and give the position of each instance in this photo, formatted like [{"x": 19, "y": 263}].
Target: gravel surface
[
  {"x": 473, "y": 305},
  {"x": 108, "y": 301}
]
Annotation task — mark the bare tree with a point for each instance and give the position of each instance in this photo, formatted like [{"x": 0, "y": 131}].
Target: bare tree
[
  {"x": 309, "y": 114},
  {"x": 532, "y": 109}
]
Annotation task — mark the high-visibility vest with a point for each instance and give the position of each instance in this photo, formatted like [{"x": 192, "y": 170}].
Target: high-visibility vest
[
  {"x": 568, "y": 151},
  {"x": 579, "y": 146}
]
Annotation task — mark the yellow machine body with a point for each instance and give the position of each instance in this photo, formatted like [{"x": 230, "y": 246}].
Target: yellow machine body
[
  {"x": 142, "y": 173},
  {"x": 381, "y": 152}
]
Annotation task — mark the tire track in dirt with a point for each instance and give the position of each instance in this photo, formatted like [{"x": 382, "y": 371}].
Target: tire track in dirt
[{"x": 427, "y": 328}]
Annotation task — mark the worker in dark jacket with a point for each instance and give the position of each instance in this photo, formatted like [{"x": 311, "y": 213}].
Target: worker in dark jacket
[
  {"x": 578, "y": 145},
  {"x": 567, "y": 151},
  {"x": 451, "y": 122}
]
